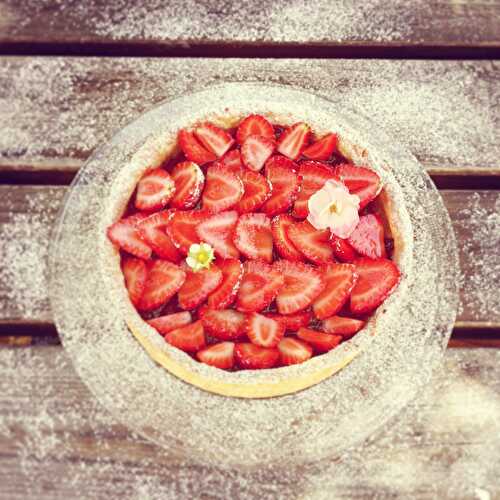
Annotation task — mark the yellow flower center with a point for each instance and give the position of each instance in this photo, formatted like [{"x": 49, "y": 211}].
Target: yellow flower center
[{"x": 335, "y": 207}]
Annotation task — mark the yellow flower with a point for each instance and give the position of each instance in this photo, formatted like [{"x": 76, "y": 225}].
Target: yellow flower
[{"x": 200, "y": 256}]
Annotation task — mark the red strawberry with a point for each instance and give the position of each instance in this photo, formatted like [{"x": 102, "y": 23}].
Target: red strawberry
[
  {"x": 124, "y": 234},
  {"x": 322, "y": 342},
  {"x": 314, "y": 175},
  {"x": 257, "y": 190},
  {"x": 223, "y": 189},
  {"x": 322, "y": 149},
  {"x": 225, "y": 294},
  {"x": 189, "y": 338},
  {"x": 232, "y": 161},
  {"x": 292, "y": 322},
  {"x": 165, "y": 324},
  {"x": 163, "y": 282},
  {"x": 340, "y": 325},
  {"x": 198, "y": 286},
  {"x": 253, "y": 237},
  {"x": 255, "y": 357},
  {"x": 377, "y": 279},
  {"x": 282, "y": 174},
  {"x": 342, "y": 250},
  {"x": 282, "y": 243},
  {"x": 360, "y": 181},
  {"x": 153, "y": 230},
  {"x": 302, "y": 285},
  {"x": 294, "y": 351},
  {"x": 192, "y": 148},
  {"x": 293, "y": 140},
  {"x": 214, "y": 138},
  {"x": 254, "y": 125},
  {"x": 189, "y": 180},
  {"x": 223, "y": 324},
  {"x": 264, "y": 331},
  {"x": 259, "y": 287},
  {"x": 368, "y": 237},
  {"x": 339, "y": 282},
  {"x": 155, "y": 189},
  {"x": 182, "y": 228},
  {"x": 313, "y": 243},
  {"x": 220, "y": 355},
  {"x": 135, "y": 273},
  {"x": 255, "y": 151},
  {"x": 218, "y": 231}
]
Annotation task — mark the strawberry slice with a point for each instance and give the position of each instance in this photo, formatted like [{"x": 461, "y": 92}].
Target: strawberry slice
[
  {"x": 339, "y": 325},
  {"x": 292, "y": 322},
  {"x": 368, "y": 237},
  {"x": 255, "y": 151},
  {"x": 294, "y": 351},
  {"x": 253, "y": 237},
  {"x": 322, "y": 342},
  {"x": 218, "y": 231},
  {"x": 182, "y": 228},
  {"x": 198, "y": 286},
  {"x": 135, "y": 273},
  {"x": 314, "y": 175},
  {"x": 220, "y": 355},
  {"x": 302, "y": 285},
  {"x": 214, "y": 138},
  {"x": 311, "y": 242},
  {"x": 264, "y": 331},
  {"x": 282, "y": 243},
  {"x": 189, "y": 180},
  {"x": 257, "y": 190},
  {"x": 378, "y": 278},
  {"x": 163, "y": 282},
  {"x": 164, "y": 324},
  {"x": 153, "y": 230},
  {"x": 254, "y": 125},
  {"x": 293, "y": 140},
  {"x": 223, "y": 324},
  {"x": 125, "y": 235},
  {"x": 342, "y": 250},
  {"x": 192, "y": 148},
  {"x": 155, "y": 189},
  {"x": 189, "y": 338},
  {"x": 282, "y": 174},
  {"x": 225, "y": 294},
  {"x": 255, "y": 357},
  {"x": 259, "y": 287},
  {"x": 339, "y": 282},
  {"x": 321, "y": 149},
  {"x": 223, "y": 189},
  {"x": 360, "y": 181},
  {"x": 232, "y": 160}
]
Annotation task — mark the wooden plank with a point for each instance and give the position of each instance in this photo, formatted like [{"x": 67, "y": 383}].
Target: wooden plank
[
  {"x": 56, "y": 110},
  {"x": 27, "y": 214},
  {"x": 56, "y": 441}
]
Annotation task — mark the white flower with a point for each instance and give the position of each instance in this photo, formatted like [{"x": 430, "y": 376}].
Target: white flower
[{"x": 200, "y": 256}]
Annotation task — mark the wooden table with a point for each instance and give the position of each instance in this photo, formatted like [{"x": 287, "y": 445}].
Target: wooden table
[{"x": 71, "y": 74}]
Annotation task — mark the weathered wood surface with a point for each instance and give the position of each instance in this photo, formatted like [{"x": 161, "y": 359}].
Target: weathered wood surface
[{"x": 55, "y": 110}]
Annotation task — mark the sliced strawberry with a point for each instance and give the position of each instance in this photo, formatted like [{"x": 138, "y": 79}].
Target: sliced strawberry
[
  {"x": 192, "y": 148},
  {"x": 339, "y": 282},
  {"x": 153, "y": 230},
  {"x": 135, "y": 273},
  {"x": 342, "y": 250},
  {"x": 255, "y": 357},
  {"x": 214, "y": 138},
  {"x": 360, "y": 181},
  {"x": 225, "y": 294},
  {"x": 293, "y": 140},
  {"x": 189, "y": 180},
  {"x": 282, "y": 174},
  {"x": 322, "y": 342},
  {"x": 378, "y": 278},
  {"x": 294, "y": 351},
  {"x": 302, "y": 285},
  {"x": 254, "y": 125},
  {"x": 313, "y": 243},
  {"x": 189, "y": 338},
  {"x": 198, "y": 286},
  {"x": 232, "y": 160},
  {"x": 292, "y": 322},
  {"x": 339, "y": 325},
  {"x": 124, "y": 234},
  {"x": 223, "y": 324},
  {"x": 255, "y": 151},
  {"x": 163, "y": 282},
  {"x": 259, "y": 287},
  {"x": 264, "y": 331},
  {"x": 218, "y": 231},
  {"x": 182, "y": 228},
  {"x": 257, "y": 189},
  {"x": 321, "y": 149},
  {"x": 164, "y": 324},
  {"x": 223, "y": 189},
  {"x": 368, "y": 237},
  {"x": 220, "y": 355},
  {"x": 155, "y": 189},
  {"x": 253, "y": 237},
  {"x": 282, "y": 243}
]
